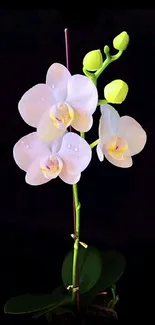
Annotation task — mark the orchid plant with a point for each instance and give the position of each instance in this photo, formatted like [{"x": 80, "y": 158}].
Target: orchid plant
[{"x": 58, "y": 108}]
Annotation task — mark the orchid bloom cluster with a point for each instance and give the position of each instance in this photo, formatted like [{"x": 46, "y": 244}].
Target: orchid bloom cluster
[
  {"x": 51, "y": 108},
  {"x": 58, "y": 109},
  {"x": 63, "y": 101}
]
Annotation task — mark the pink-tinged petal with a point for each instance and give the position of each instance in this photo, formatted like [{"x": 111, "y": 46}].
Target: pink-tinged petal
[
  {"x": 27, "y": 149},
  {"x": 57, "y": 78},
  {"x": 75, "y": 152},
  {"x": 126, "y": 162},
  {"x": 68, "y": 177},
  {"x": 134, "y": 134},
  {"x": 35, "y": 102},
  {"x": 99, "y": 152},
  {"x": 82, "y": 94},
  {"x": 82, "y": 122},
  {"x": 34, "y": 175},
  {"x": 55, "y": 145},
  {"x": 46, "y": 129},
  {"x": 109, "y": 123},
  {"x": 103, "y": 131}
]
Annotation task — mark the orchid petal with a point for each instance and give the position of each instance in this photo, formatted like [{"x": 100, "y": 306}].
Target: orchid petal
[
  {"x": 82, "y": 122},
  {"x": 27, "y": 149},
  {"x": 46, "y": 130},
  {"x": 35, "y": 102},
  {"x": 55, "y": 145},
  {"x": 68, "y": 177},
  {"x": 99, "y": 152},
  {"x": 126, "y": 162},
  {"x": 57, "y": 78},
  {"x": 109, "y": 123},
  {"x": 34, "y": 175},
  {"x": 82, "y": 94},
  {"x": 134, "y": 134},
  {"x": 75, "y": 152}
]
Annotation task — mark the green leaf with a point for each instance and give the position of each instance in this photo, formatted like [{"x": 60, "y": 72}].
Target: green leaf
[
  {"x": 112, "y": 268},
  {"x": 28, "y": 303},
  {"x": 32, "y": 303},
  {"x": 89, "y": 266},
  {"x": 113, "y": 265},
  {"x": 60, "y": 292},
  {"x": 41, "y": 312},
  {"x": 56, "y": 309},
  {"x": 61, "y": 295}
]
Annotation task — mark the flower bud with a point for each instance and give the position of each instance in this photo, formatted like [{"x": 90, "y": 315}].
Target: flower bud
[
  {"x": 116, "y": 91},
  {"x": 93, "y": 60},
  {"x": 120, "y": 42}
]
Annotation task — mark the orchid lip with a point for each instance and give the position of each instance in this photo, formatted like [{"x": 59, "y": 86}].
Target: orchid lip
[
  {"x": 117, "y": 147},
  {"x": 62, "y": 115},
  {"x": 52, "y": 167}
]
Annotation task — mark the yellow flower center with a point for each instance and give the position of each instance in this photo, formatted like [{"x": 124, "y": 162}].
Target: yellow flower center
[
  {"x": 62, "y": 115},
  {"x": 117, "y": 147},
  {"x": 51, "y": 167}
]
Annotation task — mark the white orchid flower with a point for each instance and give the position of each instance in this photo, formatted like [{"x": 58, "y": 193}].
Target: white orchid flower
[
  {"x": 65, "y": 157},
  {"x": 120, "y": 138},
  {"x": 63, "y": 101}
]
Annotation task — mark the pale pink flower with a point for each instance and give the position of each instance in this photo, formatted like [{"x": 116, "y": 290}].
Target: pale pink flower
[
  {"x": 63, "y": 101},
  {"x": 120, "y": 138},
  {"x": 65, "y": 157}
]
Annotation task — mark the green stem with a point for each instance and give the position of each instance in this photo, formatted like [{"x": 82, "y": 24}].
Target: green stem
[
  {"x": 76, "y": 244},
  {"x": 93, "y": 144},
  {"x": 109, "y": 59},
  {"x": 75, "y": 290},
  {"x": 77, "y": 216},
  {"x": 113, "y": 290},
  {"x": 93, "y": 77},
  {"x": 102, "y": 101},
  {"x": 82, "y": 135},
  {"x": 90, "y": 75}
]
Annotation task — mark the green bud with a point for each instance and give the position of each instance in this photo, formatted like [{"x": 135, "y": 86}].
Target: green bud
[
  {"x": 121, "y": 41},
  {"x": 116, "y": 91},
  {"x": 93, "y": 60}
]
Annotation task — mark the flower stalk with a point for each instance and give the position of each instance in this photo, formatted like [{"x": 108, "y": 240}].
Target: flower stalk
[
  {"x": 75, "y": 290},
  {"x": 76, "y": 210},
  {"x": 109, "y": 59},
  {"x": 94, "y": 144}
]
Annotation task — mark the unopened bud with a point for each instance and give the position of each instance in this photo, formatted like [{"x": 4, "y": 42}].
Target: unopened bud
[
  {"x": 116, "y": 91},
  {"x": 121, "y": 41},
  {"x": 93, "y": 60}
]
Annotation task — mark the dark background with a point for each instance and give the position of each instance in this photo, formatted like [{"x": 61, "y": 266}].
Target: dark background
[{"x": 117, "y": 205}]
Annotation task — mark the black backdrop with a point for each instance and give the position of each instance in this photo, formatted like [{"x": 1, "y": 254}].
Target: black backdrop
[{"x": 117, "y": 205}]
